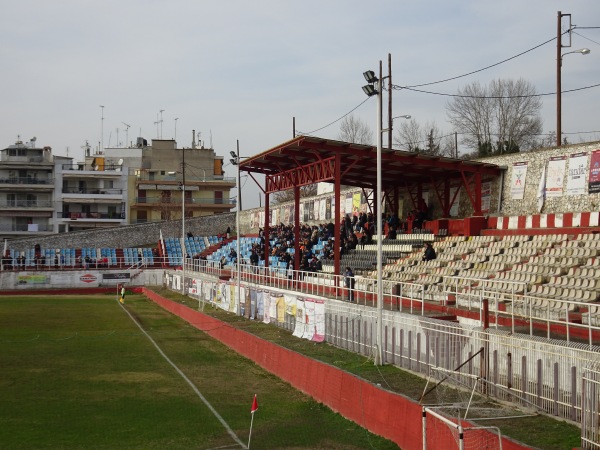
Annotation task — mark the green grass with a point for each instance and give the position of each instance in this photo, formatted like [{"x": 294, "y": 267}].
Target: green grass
[
  {"x": 77, "y": 373},
  {"x": 539, "y": 431}
]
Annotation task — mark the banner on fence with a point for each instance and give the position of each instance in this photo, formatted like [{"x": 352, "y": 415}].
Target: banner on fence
[
  {"x": 556, "y": 176},
  {"x": 594, "y": 179},
  {"x": 517, "y": 182},
  {"x": 576, "y": 174}
]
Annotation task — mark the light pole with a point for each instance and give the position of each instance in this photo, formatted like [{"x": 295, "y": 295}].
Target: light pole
[
  {"x": 375, "y": 88},
  {"x": 559, "y": 57},
  {"x": 236, "y": 163},
  {"x": 183, "y": 248},
  {"x": 175, "y": 137}
]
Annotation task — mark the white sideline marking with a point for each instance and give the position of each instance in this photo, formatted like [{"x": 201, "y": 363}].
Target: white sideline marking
[{"x": 210, "y": 407}]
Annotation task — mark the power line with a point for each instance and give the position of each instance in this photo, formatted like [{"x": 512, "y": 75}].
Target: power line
[
  {"x": 493, "y": 96},
  {"x": 337, "y": 120},
  {"x": 411, "y": 87},
  {"x": 581, "y": 35},
  {"x": 482, "y": 69}
]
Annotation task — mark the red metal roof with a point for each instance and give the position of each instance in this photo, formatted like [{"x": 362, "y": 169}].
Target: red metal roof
[{"x": 358, "y": 164}]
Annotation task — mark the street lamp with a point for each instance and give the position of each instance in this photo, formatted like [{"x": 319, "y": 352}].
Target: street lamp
[
  {"x": 583, "y": 51},
  {"x": 235, "y": 160},
  {"x": 183, "y": 248},
  {"x": 375, "y": 88},
  {"x": 559, "y": 57}
]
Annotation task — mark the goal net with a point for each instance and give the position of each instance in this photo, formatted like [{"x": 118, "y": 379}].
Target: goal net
[
  {"x": 457, "y": 412},
  {"x": 441, "y": 432}
]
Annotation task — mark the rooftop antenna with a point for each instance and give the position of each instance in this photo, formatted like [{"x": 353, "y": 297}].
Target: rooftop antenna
[
  {"x": 210, "y": 131},
  {"x": 161, "y": 122},
  {"x": 102, "y": 130},
  {"x": 117, "y": 137},
  {"x": 199, "y": 142},
  {"x": 126, "y": 133}
]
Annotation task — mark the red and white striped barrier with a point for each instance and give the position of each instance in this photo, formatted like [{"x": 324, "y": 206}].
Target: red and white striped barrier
[{"x": 559, "y": 220}]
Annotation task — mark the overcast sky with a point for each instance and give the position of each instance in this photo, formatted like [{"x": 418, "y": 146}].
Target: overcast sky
[{"x": 242, "y": 70}]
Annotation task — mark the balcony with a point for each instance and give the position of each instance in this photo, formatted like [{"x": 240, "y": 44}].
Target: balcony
[
  {"x": 112, "y": 169},
  {"x": 27, "y": 204},
  {"x": 172, "y": 202},
  {"x": 26, "y": 159},
  {"x": 91, "y": 216},
  {"x": 92, "y": 191},
  {"x": 26, "y": 228},
  {"x": 26, "y": 183},
  {"x": 155, "y": 178}
]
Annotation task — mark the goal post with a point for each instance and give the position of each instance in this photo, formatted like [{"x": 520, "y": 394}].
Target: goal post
[{"x": 441, "y": 432}]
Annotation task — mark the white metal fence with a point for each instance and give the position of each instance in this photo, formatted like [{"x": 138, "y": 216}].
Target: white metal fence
[{"x": 518, "y": 367}]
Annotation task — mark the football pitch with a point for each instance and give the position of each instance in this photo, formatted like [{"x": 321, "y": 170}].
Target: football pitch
[{"x": 85, "y": 372}]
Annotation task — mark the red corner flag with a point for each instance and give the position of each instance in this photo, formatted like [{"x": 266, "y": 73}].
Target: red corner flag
[{"x": 254, "y": 405}]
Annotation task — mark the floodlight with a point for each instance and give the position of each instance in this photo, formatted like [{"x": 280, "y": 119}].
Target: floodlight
[{"x": 370, "y": 76}]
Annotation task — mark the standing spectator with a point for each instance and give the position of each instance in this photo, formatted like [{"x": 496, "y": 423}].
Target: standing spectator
[
  {"x": 349, "y": 281},
  {"x": 6, "y": 261},
  {"x": 254, "y": 258}
]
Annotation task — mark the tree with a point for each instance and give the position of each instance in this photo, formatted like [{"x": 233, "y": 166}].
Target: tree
[
  {"x": 309, "y": 190},
  {"x": 427, "y": 139},
  {"x": 355, "y": 131},
  {"x": 501, "y": 118}
]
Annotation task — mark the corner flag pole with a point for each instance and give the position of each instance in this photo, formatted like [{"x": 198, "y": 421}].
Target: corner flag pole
[{"x": 252, "y": 411}]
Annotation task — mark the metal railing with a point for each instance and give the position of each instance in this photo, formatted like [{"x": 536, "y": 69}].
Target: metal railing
[
  {"x": 44, "y": 227},
  {"x": 152, "y": 176},
  {"x": 507, "y": 308},
  {"x": 26, "y": 204},
  {"x": 96, "y": 191},
  {"x": 27, "y": 180},
  {"x": 90, "y": 215},
  {"x": 91, "y": 168},
  {"x": 188, "y": 201},
  {"x": 533, "y": 371}
]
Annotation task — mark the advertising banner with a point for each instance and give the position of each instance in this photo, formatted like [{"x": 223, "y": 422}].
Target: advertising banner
[{"x": 517, "y": 181}]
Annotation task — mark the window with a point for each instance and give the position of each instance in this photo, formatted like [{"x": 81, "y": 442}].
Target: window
[{"x": 142, "y": 216}]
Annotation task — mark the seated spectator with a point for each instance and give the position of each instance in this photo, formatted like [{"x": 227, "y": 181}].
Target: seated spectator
[{"x": 429, "y": 253}]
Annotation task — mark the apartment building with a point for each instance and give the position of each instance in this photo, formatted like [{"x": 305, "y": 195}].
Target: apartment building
[
  {"x": 167, "y": 175},
  {"x": 26, "y": 190}
]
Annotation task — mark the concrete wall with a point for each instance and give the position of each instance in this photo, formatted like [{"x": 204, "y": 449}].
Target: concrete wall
[
  {"x": 78, "y": 279},
  {"x": 537, "y": 160},
  {"x": 131, "y": 235}
]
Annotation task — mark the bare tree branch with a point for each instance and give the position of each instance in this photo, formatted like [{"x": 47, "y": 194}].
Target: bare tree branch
[{"x": 355, "y": 131}]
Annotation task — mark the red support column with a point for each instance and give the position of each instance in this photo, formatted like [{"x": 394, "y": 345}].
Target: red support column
[
  {"x": 297, "y": 228},
  {"x": 477, "y": 206},
  {"x": 446, "y": 199},
  {"x": 336, "y": 217},
  {"x": 266, "y": 228}
]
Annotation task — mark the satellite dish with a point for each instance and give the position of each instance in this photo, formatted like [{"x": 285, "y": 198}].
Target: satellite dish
[{"x": 120, "y": 162}]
